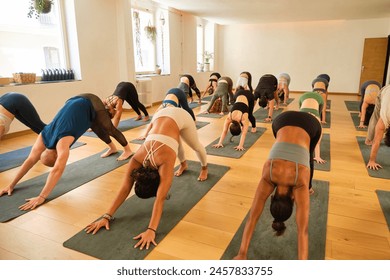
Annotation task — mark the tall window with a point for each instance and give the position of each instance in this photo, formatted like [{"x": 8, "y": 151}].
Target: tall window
[
  {"x": 30, "y": 44},
  {"x": 205, "y": 45}
]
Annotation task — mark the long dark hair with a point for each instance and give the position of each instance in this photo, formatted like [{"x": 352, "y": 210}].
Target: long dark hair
[
  {"x": 147, "y": 180},
  {"x": 281, "y": 209}
]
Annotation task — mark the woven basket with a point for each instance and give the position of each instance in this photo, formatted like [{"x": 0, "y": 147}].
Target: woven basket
[{"x": 24, "y": 78}]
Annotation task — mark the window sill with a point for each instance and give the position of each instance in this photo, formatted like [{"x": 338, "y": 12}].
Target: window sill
[{"x": 37, "y": 83}]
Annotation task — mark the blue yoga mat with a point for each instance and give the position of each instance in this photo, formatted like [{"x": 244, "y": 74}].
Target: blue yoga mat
[
  {"x": 16, "y": 158},
  {"x": 75, "y": 175}
]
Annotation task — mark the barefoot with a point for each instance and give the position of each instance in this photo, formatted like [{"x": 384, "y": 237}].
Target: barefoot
[
  {"x": 253, "y": 130},
  {"x": 125, "y": 155},
  {"x": 368, "y": 142},
  {"x": 146, "y": 118},
  {"x": 109, "y": 152},
  {"x": 183, "y": 167},
  {"x": 311, "y": 191},
  {"x": 222, "y": 114},
  {"x": 203, "y": 174},
  {"x": 138, "y": 118}
]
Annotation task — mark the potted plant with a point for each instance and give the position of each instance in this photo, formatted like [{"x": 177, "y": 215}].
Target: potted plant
[
  {"x": 207, "y": 56},
  {"x": 38, "y": 7},
  {"x": 151, "y": 32}
]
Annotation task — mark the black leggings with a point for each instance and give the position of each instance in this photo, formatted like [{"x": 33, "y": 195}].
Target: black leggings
[
  {"x": 132, "y": 99},
  {"x": 102, "y": 125}
]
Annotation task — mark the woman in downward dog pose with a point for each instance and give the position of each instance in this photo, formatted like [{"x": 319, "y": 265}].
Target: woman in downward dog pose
[
  {"x": 151, "y": 168},
  {"x": 320, "y": 85},
  {"x": 238, "y": 119},
  {"x": 223, "y": 90},
  {"x": 286, "y": 177}
]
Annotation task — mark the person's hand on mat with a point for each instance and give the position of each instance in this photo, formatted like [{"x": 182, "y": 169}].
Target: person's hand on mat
[
  {"x": 320, "y": 160},
  {"x": 8, "y": 190},
  {"x": 146, "y": 237},
  {"x": 32, "y": 203},
  {"x": 141, "y": 138},
  {"x": 373, "y": 165},
  {"x": 368, "y": 142},
  {"x": 218, "y": 145},
  {"x": 323, "y": 122},
  {"x": 239, "y": 148},
  {"x": 95, "y": 226},
  {"x": 268, "y": 120},
  {"x": 362, "y": 126}
]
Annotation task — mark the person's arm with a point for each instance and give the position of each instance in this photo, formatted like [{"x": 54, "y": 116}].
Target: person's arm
[
  {"x": 244, "y": 131},
  {"x": 379, "y": 131},
  {"x": 54, "y": 175},
  {"x": 148, "y": 236},
  {"x": 264, "y": 190},
  {"x": 224, "y": 133},
  {"x": 118, "y": 112},
  {"x": 363, "y": 115},
  {"x": 123, "y": 193},
  {"x": 148, "y": 128},
  {"x": 270, "y": 110},
  {"x": 31, "y": 160},
  {"x": 302, "y": 202},
  {"x": 325, "y": 99}
]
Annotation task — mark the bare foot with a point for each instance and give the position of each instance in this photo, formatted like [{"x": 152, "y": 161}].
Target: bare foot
[
  {"x": 253, "y": 130},
  {"x": 146, "y": 118},
  {"x": 311, "y": 191},
  {"x": 109, "y": 152},
  {"x": 125, "y": 155},
  {"x": 183, "y": 167},
  {"x": 138, "y": 118},
  {"x": 368, "y": 142},
  {"x": 222, "y": 114},
  {"x": 203, "y": 174}
]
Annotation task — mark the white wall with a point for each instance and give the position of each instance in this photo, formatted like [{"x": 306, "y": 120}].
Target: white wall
[{"x": 303, "y": 49}]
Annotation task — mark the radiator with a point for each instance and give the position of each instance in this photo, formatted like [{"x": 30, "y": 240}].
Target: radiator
[{"x": 144, "y": 89}]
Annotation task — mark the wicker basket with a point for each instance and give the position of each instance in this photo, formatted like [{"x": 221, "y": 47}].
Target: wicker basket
[{"x": 24, "y": 78}]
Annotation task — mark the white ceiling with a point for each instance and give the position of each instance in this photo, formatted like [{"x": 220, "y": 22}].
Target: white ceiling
[{"x": 227, "y": 12}]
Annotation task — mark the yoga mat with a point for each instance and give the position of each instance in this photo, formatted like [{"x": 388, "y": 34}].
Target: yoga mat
[
  {"x": 356, "y": 121},
  {"x": 266, "y": 246},
  {"x": 16, "y": 158},
  {"x": 123, "y": 126},
  {"x": 352, "y": 105},
  {"x": 133, "y": 217},
  {"x": 75, "y": 175},
  {"x": 211, "y": 115},
  {"x": 261, "y": 114},
  {"x": 288, "y": 102},
  {"x": 325, "y": 153},
  {"x": 383, "y": 158},
  {"x": 328, "y": 103},
  {"x": 207, "y": 98},
  {"x": 199, "y": 125},
  {"x": 327, "y": 119},
  {"x": 228, "y": 147},
  {"x": 195, "y": 104},
  {"x": 384, "y": 201}
]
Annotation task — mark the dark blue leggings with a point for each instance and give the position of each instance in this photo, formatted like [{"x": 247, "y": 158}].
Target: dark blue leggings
[{"x": 182, "y": 97}]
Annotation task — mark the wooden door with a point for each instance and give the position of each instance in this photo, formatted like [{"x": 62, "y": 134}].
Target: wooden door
[{"x": 374, "y": 59}]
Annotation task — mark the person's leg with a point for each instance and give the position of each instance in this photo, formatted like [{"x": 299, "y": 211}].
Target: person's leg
[
  {"x": 184, "y": 104},
  {"x": 213, "y": 99},
  {"x": 27, "y": 114}
]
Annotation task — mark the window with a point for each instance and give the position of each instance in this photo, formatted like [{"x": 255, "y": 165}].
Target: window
[
  {"x": 151, "y": 41},
  {"x": 205, "y": 45},
  {"x": 30, "y": 44}
]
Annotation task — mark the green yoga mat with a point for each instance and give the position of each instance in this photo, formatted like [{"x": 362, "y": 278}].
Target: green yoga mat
[
  {"x": 199, "y": 125},
  {"x": 288, "y": 102},
  {"x": 266, "y": 246},
  {"x": 383, "y": 158},
  {"x": 328, "y": 104},
  {"x": 228, "y": 147},
  {"x": 356, "y": 121},
  {"x": 384, "y": 200},
  {"x": 16, "y": 158},
  {"x": 75, "y": 175},
  {"x": 325, "y": 153},
  {"x": 134, "y": 214},
  {"x": 352, "y": 105},
  {"x": 261, "y": 114},
  {"x": 124, "y": 125}
]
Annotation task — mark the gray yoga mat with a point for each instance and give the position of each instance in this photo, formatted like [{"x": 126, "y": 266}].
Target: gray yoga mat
[
  {"x": 195, "y": 104},
  {"x": 75, "y": 175},
  {"x": 325, "y": 153},
  {"x": 266, "y": 246},
  {"x": 383, "y": 158},
  {"x": 288, "y": 102},
  {"x": 207, "y": 98},
  {"x": 328, "y": 104},
  {"x": 228, "y": 147},
  {"x": 384, "y": 201},
  {"x": 261, "y": 114},
  {"x": 327, "y": 119},
  {"x": 124, "y": 125},
  {"x": 133, "y": 216},
  {"x": 211, "y": 115},
  {"x": 356, "y": 121},
  {"x": 352, "y": 105},
  {"x": 16, "y": 158}
]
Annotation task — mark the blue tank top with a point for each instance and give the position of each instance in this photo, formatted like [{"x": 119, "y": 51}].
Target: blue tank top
[{"x": 72, "y": 120}]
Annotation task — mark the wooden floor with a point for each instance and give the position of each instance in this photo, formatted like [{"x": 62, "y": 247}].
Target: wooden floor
[{"x": 356, "y": 226}]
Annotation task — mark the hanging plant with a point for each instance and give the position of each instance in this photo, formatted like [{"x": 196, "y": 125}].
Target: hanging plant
[
  {"x": 151, "y": 32},
  {"x": 38, "y": 7}
]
